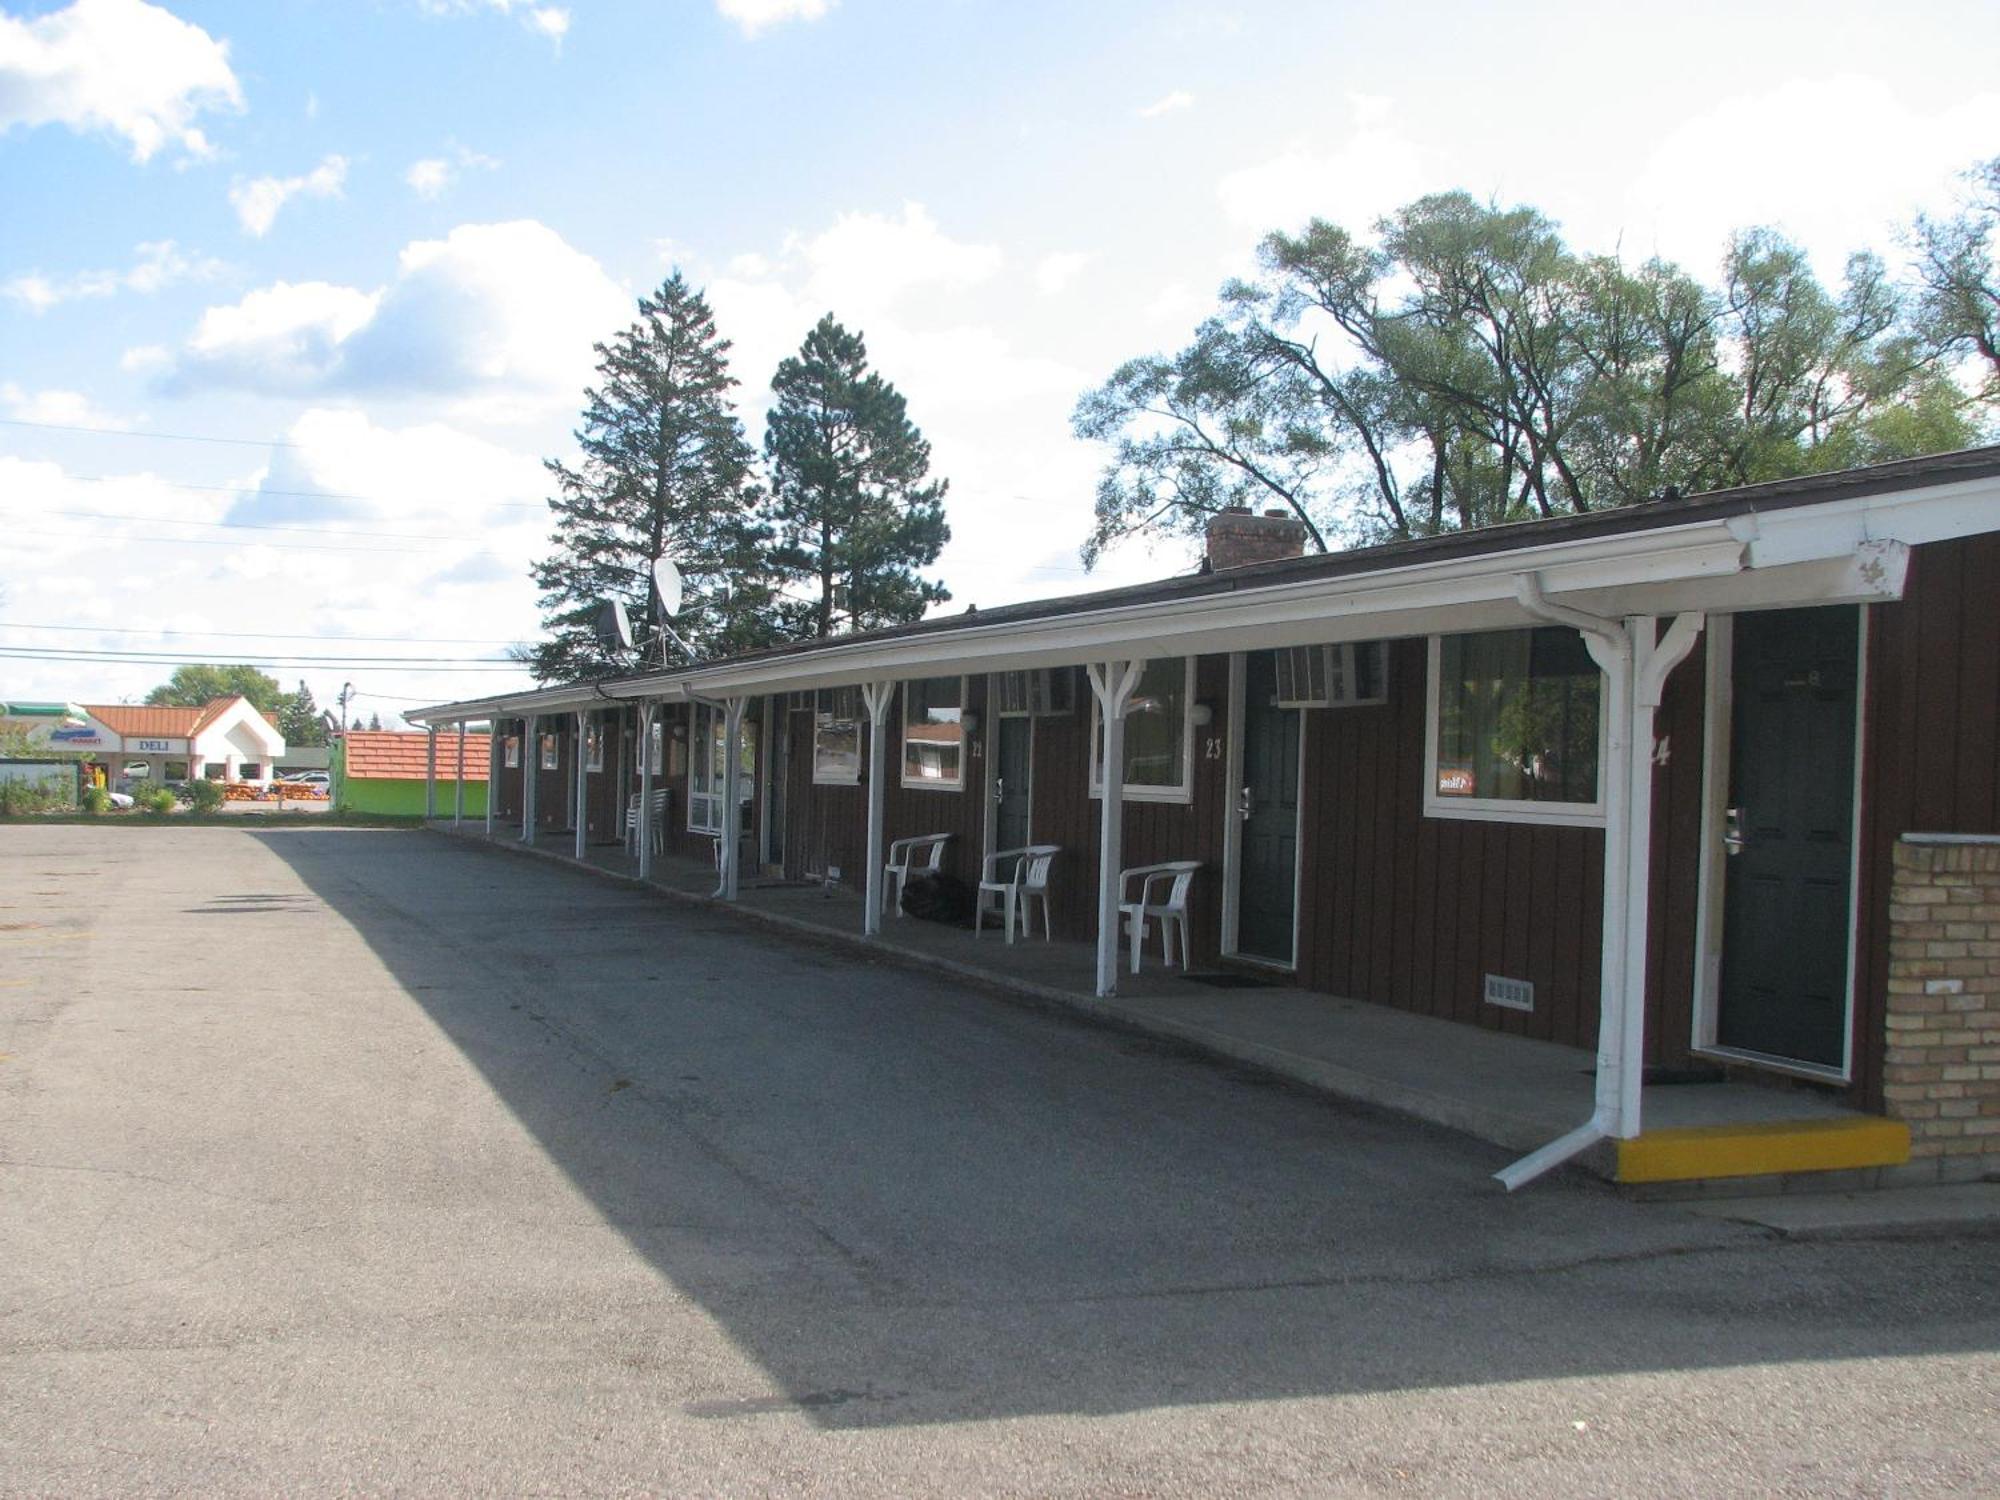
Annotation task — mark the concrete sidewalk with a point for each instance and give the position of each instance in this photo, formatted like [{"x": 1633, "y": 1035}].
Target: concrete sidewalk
[{"x": 1515, "y": 1092}]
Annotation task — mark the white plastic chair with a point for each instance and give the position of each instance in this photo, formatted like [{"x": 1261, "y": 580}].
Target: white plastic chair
[
  {"x": 1028, "y": 878},
  {"x": 922, "y": 855},
  {"x": 1171, "y": 909},
  {"x": 652, "y": 821}
]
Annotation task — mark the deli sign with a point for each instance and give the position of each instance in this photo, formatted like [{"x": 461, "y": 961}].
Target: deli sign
[{"x": 156, "y": 747}]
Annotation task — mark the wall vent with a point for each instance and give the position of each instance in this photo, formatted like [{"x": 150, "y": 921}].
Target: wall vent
[{"x": 1511, "y": 994}]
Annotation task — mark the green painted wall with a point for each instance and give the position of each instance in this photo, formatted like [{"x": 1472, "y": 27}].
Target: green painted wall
[{"x": 402, "y": 798}]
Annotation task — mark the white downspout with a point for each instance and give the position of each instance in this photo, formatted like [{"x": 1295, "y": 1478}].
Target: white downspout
[
  {"x": 1636, "y": 671},
  {"x": 876, "y": 697}
]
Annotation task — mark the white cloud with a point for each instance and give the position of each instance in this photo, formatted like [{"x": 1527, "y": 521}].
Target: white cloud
[
  {"x": 501, "y": 314},
  {"x": 869, "y": 262},
  {"x": 438, "y": 501},
  {"x": 1700, "y": 183},
  {"x": 754, "y": 16},
  {"x": 1054, "y": 273},
  {"x": 1373, "y": 170},
  {"x": 284, "y": 337},
  {"x": 430, "y": 176},
  {"x": 257, "y": 201},
  {"x": 551, "y": 21},
  {"x": 156, "y": 264},
  {"x": 57, "y": 408},
  {"x": 1167, "y": 104},
  {"x": 121, "y": 66}
]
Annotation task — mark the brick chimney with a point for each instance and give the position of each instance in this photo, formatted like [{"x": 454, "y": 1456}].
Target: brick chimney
[{"x": 1236, "y": 537}]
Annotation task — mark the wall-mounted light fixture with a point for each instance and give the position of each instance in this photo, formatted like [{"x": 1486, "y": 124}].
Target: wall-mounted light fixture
[{"x": 1203, "y": 715}]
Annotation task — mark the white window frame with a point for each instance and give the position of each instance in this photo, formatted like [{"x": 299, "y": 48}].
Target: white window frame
[
  {"x": 705, "y": 782},
  {"x": 510, "y": 752},
  {"x": 1035, "y": 691},
  {"x": 656, "y": 744},
  {"x": 1183, "y": 793},
  {"x": 931, "y": 783},
  {"x": 1506, "y": 809},
  {"x": 593, "y": 746},
  {"x": 550, "y": 751},
  {"x": 842, "y": 712}
]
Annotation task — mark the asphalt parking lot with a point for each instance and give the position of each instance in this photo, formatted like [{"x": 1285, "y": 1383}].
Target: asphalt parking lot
[{"x": 351, "y": 1160}]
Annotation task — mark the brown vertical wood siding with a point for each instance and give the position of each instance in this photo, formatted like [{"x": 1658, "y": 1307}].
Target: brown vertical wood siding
[{"x": 1412, "y": 912}]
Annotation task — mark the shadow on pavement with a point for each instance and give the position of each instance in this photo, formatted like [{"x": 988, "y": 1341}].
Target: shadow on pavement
[{"x": 910, "y": 1202}]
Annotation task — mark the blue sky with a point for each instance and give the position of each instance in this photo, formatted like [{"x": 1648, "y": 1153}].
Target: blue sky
[{"x": 371, "y": 243}]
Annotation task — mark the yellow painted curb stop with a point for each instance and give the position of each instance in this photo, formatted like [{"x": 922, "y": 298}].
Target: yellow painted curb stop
[{"x": 1691, "y": 1152}]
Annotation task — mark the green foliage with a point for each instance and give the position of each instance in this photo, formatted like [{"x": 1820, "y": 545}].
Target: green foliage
[
  {"x": 157, "y": 800},
  {"x": 195, "y": 686},
  {"x": 1463, "y": 366},
  {"x": 665, "y": 472},
  {"x": 54, "y": 792},
  {"x": 95, "y": 800},
  {"x": 204, "y": 796},
  {"x": 1958, "y": 307},
  {"x": 852, "y": 510}
]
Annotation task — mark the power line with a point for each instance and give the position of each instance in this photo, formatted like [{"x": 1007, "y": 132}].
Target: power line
[
  {"x": 302, "y": 656},
  {"x": 397, "y": 536},
  {"x": 134, "y": 432},
  {"x": 274, "y": 664},
  {"x": 267, "y": 635},
  {"x": 259, "y": 490},
  {"x": 206, "y": 541}
]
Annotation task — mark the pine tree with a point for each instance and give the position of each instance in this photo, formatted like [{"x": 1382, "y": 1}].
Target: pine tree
[
  {"x": 854, "y": 513},
  {"x": 665, "y": 472},
  {"x": 299, "y": 719}
]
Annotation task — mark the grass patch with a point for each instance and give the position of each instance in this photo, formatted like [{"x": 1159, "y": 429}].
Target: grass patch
[{"x": 183, "y": 819}]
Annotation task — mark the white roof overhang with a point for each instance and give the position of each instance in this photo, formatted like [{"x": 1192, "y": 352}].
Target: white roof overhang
[{"x": 1849, "y": 550}]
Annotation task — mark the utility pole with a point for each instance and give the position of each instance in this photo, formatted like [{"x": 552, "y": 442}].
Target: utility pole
[{"x": 346, "y": 692}]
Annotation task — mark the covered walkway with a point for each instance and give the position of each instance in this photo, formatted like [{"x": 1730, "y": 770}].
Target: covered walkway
[{"x": 1512, "y": 1091}]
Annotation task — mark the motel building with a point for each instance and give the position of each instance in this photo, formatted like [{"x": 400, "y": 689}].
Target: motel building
[
  {"x": 226, "y": 739},
  {"x": 1701, "y": 788}
]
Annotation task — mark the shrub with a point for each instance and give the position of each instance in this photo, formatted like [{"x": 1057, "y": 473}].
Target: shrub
[
  {"x": 204, "y": 796},
  {"x": 159, "y": 800},
  {"x": 96, "y": 800},
  {"x": 20, "y": 797}
]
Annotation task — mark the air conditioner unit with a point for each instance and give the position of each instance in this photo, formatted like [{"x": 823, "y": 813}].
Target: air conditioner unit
[{"x": 1343, "y": 676}]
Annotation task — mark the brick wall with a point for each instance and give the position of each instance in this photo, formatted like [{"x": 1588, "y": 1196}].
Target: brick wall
[
  {"x": 1236, "y": 537},
  {"x": 1941, "y": 1066}
]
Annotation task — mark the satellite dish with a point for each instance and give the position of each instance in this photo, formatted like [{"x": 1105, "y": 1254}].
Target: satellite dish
[
  {"x": 667, "y": 583},
  {"x": 614, "y": 630}
]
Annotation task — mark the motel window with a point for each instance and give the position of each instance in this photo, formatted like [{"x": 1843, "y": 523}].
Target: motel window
[
  {"x": 708, "y": 761},
  {"x": 551, "y": 753},
  {"x": 510, "y": 751},
  {"x": 1159, "y": 735},
  {"x": 837, "y": 737},
  {"x": 934, "y": 733},
  {"x": 593, "y": 745},
  {"x": 1516, "y": 727}
]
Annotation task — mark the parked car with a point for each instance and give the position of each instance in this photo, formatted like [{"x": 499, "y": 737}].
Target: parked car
[{"x": 320, "y": 779}]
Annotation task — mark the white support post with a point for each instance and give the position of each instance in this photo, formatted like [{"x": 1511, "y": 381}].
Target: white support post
[
  {"x": 458, "y": 788},
  {"x": 430, "y": 772},
  {"x": 492, "y": 772},
  {"x": 732, "y": 796},
  {"x": 582, "y": 793},
  {"x": 531, "y": 773},
  {"x": 646, "y": 712},
  {"x": 1111, "y": 683},
  {"x": 1635, "y": 669},
  {"x": 877, "y": 696}
]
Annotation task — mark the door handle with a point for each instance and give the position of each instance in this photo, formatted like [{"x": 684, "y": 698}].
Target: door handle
[
  {"x": 1733, "y": 839},
  {"x": 999, "y": 788},
  {"x": 1243, "y": 804}
]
